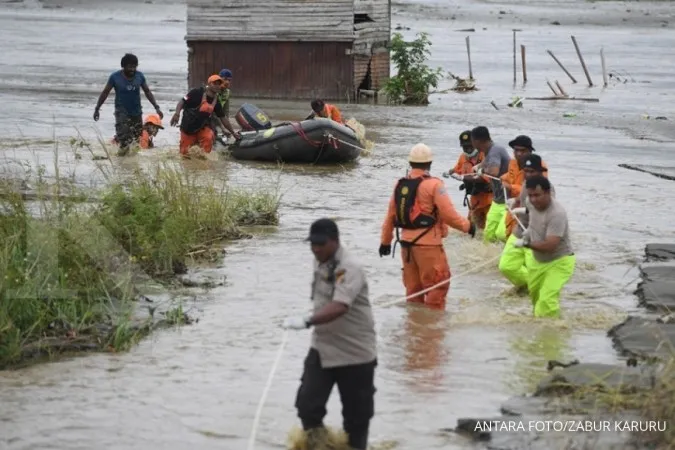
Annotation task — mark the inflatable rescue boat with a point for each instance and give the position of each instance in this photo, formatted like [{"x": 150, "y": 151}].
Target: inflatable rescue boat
[{"x": 314, "y": 141}]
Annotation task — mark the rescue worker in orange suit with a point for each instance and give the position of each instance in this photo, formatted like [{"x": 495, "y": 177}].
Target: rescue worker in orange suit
[
  {"x": 198, "y": 106},
  {"x": 514, "y": 179},
  {"x": 478, "y": 194},
  {"x": 422, "y": 207},
  {"x": 325, "y": 110},
  {"x": 151, "y": 126}
]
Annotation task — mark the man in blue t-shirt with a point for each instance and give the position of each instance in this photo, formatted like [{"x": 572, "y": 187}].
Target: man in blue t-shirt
[{"x": 127, "y": 83}]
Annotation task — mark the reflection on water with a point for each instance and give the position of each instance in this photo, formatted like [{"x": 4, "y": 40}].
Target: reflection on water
[
  {"x": 533, "y": 348},
  {"x": 425, "y": 352}
]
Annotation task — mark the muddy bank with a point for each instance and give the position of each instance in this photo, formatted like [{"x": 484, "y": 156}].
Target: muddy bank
[{"x": 582, "y": 405}]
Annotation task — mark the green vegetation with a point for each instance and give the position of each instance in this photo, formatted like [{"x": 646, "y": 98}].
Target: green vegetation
[
  {"x": 411, "y": 84},
  {"x": 71, "y": 270}
]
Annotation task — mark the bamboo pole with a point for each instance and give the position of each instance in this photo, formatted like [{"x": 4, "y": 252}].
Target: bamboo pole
[
  {"x": 522, "y": 57},
  {"x": 552, "y": 88},
  {"x": 583, "y": 64},
  {"x": 468, "y": 52},
  {"x": 514, "y": 56},
  {"x": 604, "y": 67},
  {"x": 561, "y": 66},
  {"x": 593, "y": 100},
  {"x": 560, "y": 88}
]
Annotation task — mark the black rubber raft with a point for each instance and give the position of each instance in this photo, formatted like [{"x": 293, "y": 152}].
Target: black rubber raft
[{"x": 315, "y": 141}]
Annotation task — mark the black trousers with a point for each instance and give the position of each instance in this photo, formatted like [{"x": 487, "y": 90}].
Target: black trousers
[
  {"x": 128, "y": 129},
  {"x": 357, "y": 393}
]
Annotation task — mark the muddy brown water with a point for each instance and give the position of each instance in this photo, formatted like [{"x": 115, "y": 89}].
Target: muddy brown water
[{"x": 198, "y": 386}]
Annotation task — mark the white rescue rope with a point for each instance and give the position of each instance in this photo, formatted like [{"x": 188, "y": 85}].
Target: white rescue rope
[
  {"x": 424, "y": 291},
  {"x": 346, "y": 143},
  {"x": 268, "y": 385},
  {"x": 284, "y": 338}
]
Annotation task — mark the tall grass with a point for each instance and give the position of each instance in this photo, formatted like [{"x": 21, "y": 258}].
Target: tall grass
[{"x": 70, "y": 271}]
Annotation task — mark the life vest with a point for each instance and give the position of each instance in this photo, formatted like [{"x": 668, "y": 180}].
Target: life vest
[{"x": 408, "y": 212}]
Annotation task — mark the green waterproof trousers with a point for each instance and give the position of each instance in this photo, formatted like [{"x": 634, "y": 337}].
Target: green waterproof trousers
[
  {"x": 545, "y": 281},
  {"x": 514, "y": 262},
  {"x": 495, "y": 216}
]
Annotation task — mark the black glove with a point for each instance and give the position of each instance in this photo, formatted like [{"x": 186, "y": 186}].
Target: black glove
[
  {"x": 462, "y": 187},
  {"x": 472, "y": 230},
  {"x": 385, "y": 250}
]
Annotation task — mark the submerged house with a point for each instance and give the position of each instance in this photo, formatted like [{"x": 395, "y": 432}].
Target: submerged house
[{"x": 291, "y": 49}]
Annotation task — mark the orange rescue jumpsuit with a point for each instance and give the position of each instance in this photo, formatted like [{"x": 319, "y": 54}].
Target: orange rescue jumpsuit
[
  {"x": 146, "y": 140},
  {"x": 425, "y": 263},
  {"x": 479, "y": 204},
  {"x": 205, "y": 136},
  {"x": 332, "y": 112},
  {"x": 516, "y": 178}
]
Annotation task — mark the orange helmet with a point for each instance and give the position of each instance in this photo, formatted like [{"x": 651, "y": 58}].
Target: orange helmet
[{"x": 155, "y": 120}]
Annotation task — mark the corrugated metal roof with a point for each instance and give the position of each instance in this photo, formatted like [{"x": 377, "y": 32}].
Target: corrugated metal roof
[{"x": 270, "y": 20}]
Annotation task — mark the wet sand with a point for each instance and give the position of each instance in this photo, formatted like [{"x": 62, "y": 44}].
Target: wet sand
[{"x": 199, "y": 385}]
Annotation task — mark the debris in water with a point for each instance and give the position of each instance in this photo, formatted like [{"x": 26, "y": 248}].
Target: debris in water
[
  {"x": 516, "y": 101},
  {"x": 569, "y": 114},
  {"x": 360, "y": 132},
  {"x": 463, "y": 84}
]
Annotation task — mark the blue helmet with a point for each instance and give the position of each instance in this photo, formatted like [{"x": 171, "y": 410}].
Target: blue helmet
[{"x": 225, "y": 73}]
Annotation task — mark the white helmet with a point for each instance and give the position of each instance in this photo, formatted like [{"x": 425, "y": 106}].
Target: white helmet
[{"x": 420, "y": 153}]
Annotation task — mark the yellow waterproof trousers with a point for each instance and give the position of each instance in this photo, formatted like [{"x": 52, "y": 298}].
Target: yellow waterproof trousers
[
  {"x": 515, "y": 262},
  {"x": 545, "y": 281},
  {"x": 495, "y": 217}
]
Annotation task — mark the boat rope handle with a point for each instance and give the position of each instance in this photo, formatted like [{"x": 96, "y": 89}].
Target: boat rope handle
[
  {"x": 298, "y": 129},
  {"x": 330, "y": 136}
]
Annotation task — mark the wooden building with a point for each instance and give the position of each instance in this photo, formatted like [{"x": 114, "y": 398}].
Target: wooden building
[{"x": 290, "y": 49}]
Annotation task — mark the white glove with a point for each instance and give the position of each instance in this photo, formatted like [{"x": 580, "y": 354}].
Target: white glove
[
  {"x": 446, "y": 174},
  {"x": 521, "y": 210},
  {"x": 526, "y": 234},
  {"x": 296, "y": 323},
  {"x": 478, "y": 170},
  {"x": 519, "y": 243},
  {"x": 457, "y": 177},
  {"x": 512, "y": 202}
]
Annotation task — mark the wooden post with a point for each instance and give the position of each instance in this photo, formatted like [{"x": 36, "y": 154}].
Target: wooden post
[
  {"x": 561, "y": 66},
  {"x": 583, "y": 64},
  {"x": 604, "y": 68},
  {"x": 552, "y": 88},
  {"x": 514, "y": 56},
  {"x": 522, "y": 57},
  {"x": 468, "y": 52},
  {"x": 560, "y": 88}
]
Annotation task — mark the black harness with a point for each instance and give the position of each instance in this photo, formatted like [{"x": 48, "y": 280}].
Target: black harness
[{"x": 409, "y": 216}]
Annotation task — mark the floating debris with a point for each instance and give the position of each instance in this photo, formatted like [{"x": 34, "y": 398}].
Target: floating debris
[
  {"x": 463, "y": 84},
  {"x": 516, "y": 102}
]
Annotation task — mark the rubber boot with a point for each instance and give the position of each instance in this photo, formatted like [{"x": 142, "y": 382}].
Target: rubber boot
[{"x": 358, "y": 438}]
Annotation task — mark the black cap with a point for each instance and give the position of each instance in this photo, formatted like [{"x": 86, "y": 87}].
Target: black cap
[
  {"x": 480, "y": 134},
  {"x": 533, "y": 162},
  {"x": 322, "y": 230},
  {"x": 465, "y": 138},
  {"x": 522, "y": 141}
]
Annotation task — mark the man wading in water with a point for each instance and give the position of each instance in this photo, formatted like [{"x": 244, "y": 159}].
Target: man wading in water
[
  {"x": 515, "y": 261},
  {"x": 127, "y": 83},
  {"x": 495, "y": 164},
  {"x": 343, "y": 348},
  {"x": 548, "y": 235}
]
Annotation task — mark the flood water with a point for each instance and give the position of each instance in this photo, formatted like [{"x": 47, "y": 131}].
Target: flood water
[{"x": 198, "y": 386}]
